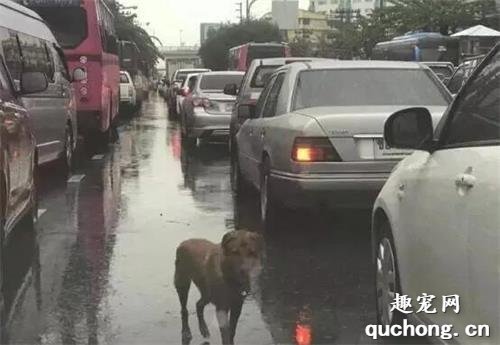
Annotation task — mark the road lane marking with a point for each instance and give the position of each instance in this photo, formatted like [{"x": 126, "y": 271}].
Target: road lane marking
[
  {"x": 97, "y": 157},
  {"x": 76, "y": 178}
]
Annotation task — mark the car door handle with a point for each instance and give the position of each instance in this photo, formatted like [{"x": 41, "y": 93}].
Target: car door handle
[{"x": 465, "y": 181}]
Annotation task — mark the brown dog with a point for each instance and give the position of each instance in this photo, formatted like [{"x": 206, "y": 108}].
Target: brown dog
[{"x": 223, "y": 273}]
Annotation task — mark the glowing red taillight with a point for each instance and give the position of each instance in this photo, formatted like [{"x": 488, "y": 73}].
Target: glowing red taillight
[{"x": 314, "y": 149}]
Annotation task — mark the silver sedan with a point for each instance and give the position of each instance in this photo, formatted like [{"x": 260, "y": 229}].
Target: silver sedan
[
  {"x": 206, "y": 111},
  {"x": 315, "y": 137}
]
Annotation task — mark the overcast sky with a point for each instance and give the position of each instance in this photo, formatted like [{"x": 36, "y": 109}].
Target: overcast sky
[{"x": 168, "y": 17}]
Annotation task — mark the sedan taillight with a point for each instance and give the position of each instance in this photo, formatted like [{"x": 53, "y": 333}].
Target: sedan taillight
[
  {"x": 314, "y": 149},
  {"x": 201, "y": 102}
]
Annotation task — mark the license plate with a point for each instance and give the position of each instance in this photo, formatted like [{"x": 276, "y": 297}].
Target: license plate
[{"x": 383, "y": 151}]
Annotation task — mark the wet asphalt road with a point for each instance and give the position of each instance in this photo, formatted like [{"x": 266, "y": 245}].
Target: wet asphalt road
[{"x": 101, "y": 269}]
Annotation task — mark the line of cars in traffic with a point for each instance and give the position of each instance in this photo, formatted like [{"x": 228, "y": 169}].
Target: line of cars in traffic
[
  {"x": 386, "y": 135},
  {"x": 59, "y": 82},
  {"x": 336, "y": 132}
]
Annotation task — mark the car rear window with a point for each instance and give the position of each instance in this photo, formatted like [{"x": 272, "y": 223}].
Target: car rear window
[
  {"x": 361, "y": 87},
  {"x": 124, "y": 79},
  {"x": 183, "y": 75},
  {"x": 261, "y": 75},
  {"x": 218, "y": 81}
]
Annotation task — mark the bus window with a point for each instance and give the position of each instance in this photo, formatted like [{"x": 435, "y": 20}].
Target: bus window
[{"x": 69, "y": 24}]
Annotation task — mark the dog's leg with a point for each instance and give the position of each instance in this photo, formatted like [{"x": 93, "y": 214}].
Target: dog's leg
[
  {"x": 200, "y": 308},
  {"x": 223, "y": 318},
  {"x": 182, "y": 285},
  {"x": 235, "y": 316}
]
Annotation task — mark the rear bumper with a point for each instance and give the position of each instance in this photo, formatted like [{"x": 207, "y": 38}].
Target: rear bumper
[
  {"x": 208, "y": 125},
  {"x": 128, "y": 101},
  {"x": 353, "y": 190}
]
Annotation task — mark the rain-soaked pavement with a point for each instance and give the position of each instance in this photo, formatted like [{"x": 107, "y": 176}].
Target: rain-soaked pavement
[{"x": 101, "y": 269}]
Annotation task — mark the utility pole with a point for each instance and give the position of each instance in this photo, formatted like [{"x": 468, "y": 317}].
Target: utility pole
[
  {"x": 250, "y": 3},
  {"x": 239, "y": 10}
]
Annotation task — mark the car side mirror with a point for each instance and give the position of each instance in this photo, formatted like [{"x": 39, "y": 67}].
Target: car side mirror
[
  {"x": 231, "y": 89},
  {"x": 33, "y": 82},
  {"x": 79, "y": 74},
  {"x": 409, "y": 129},
  {"x": 246, "y": 111}
]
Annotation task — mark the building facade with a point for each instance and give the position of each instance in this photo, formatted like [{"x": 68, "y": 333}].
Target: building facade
[
  {"x": 331, "y": 6},
  {"x": 207, "y": 30},
  {"x": 180, "y": 57}
]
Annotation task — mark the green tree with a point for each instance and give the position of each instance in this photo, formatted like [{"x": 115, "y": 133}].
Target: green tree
[
  {"x": 128, "y": 29},
  {"x": 444, "y": 16},
  {"x": 301, "y": 47},
  {"x": 214, "y": 52}
]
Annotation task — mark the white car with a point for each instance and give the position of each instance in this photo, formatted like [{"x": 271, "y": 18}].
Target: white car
[
  {"x": 436, "y": 222},
  {"x": 128, "y": 96}
]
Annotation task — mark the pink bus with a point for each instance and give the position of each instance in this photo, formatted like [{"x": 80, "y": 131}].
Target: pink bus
[
  {"x": 240, "y": 57},
  {"x": 85, "y": 30}
]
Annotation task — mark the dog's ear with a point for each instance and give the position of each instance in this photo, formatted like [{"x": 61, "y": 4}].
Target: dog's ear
[{"x": 226, "y": 240}]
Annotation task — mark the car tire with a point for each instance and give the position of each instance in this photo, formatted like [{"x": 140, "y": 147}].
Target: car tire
[
  {"x": 268, "y": 203},
  {"x": 238, "y": 183},
  {"x": 387, "y": 280},
  {"x": 67, "y": 158}
]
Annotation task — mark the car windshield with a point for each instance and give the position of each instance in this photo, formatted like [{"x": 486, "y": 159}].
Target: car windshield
[
  {"x": 261, "y": 75},
  {"x": 69, "y": 24},
  {"x": 216, "y": 82},
  {"x": 359, "y": 87}
]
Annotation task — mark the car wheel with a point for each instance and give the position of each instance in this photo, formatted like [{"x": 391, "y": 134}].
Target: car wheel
[
  {"x": 67, "y": 158},
  {"x": 237, "y": 181},
  {"x": 387, "y": 278},
  {"x": 34, "y": 197},
  {"x": 268, "y": 206}
]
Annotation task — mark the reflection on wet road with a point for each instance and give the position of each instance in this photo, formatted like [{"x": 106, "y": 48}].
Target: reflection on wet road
[{"x": 101, "y": 270}]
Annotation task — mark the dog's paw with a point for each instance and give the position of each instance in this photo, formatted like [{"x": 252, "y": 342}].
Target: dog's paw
[
  {"x": 205, "y": 333},
  {"x": 186, "y": 337}
]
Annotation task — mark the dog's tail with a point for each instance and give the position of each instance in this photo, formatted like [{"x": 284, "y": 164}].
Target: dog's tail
[{"x": 182, "y": 277}]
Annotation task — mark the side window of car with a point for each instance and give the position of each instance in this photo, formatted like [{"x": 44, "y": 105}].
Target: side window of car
[
  {"x": 263, "y": 96},
  {"x": 34, "y": 55},
  {"x": 60, "y": 62},
  {"x": 11, "y": 54},
  {"x": 272, "y": 99},
  {"x": 456, "y": 80},
  {"x": 476, "y": 117}
]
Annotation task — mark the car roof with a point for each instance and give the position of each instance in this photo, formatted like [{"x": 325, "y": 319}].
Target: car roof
[
  {"x": 353, "y": 64},
  {"x": 193, "y": 70},
  {"x": 21, "y": 19},
  {"x": 223, "y": 73},
  {"x": 436, "y": 63},
  {"x": 282, "y": 61}
]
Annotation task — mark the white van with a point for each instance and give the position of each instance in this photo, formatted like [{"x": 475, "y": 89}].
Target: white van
[{"x": 28, "y": 45}]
